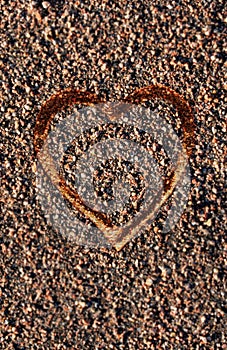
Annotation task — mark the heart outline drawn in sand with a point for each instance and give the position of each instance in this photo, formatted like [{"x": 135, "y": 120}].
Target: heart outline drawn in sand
[{"x": 116, "y": 236}]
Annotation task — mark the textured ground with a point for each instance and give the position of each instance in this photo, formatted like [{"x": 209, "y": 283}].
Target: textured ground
[{"x": 161, "y": 291}]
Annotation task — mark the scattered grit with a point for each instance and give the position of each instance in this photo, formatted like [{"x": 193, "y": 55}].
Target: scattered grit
[{"x": 162, "y": 291}]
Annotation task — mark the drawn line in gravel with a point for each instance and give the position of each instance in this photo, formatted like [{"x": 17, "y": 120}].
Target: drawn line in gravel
[{"x": 100, "y": 179}]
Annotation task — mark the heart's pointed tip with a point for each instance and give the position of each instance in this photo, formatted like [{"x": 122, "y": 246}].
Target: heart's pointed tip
[{"x": 118, "y": 247}]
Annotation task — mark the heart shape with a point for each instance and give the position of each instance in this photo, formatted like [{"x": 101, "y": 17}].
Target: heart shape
[{"x": 118, "y": 237}]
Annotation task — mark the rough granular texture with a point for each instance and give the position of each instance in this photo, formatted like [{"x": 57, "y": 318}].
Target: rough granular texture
[{"x": 161, "y": 291}]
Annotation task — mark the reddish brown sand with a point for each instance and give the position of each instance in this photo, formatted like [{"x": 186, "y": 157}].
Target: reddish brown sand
[{"x": 161, "y": 291}]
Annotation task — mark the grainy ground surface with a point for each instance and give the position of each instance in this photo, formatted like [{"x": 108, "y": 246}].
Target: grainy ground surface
[{"x": 162, "y": 291}]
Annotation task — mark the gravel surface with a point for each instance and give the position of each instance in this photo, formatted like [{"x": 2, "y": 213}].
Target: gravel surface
[{"x": 161, "y": 291}]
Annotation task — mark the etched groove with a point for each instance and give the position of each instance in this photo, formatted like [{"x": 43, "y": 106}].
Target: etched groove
[{"x": 118, "y": 237}]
